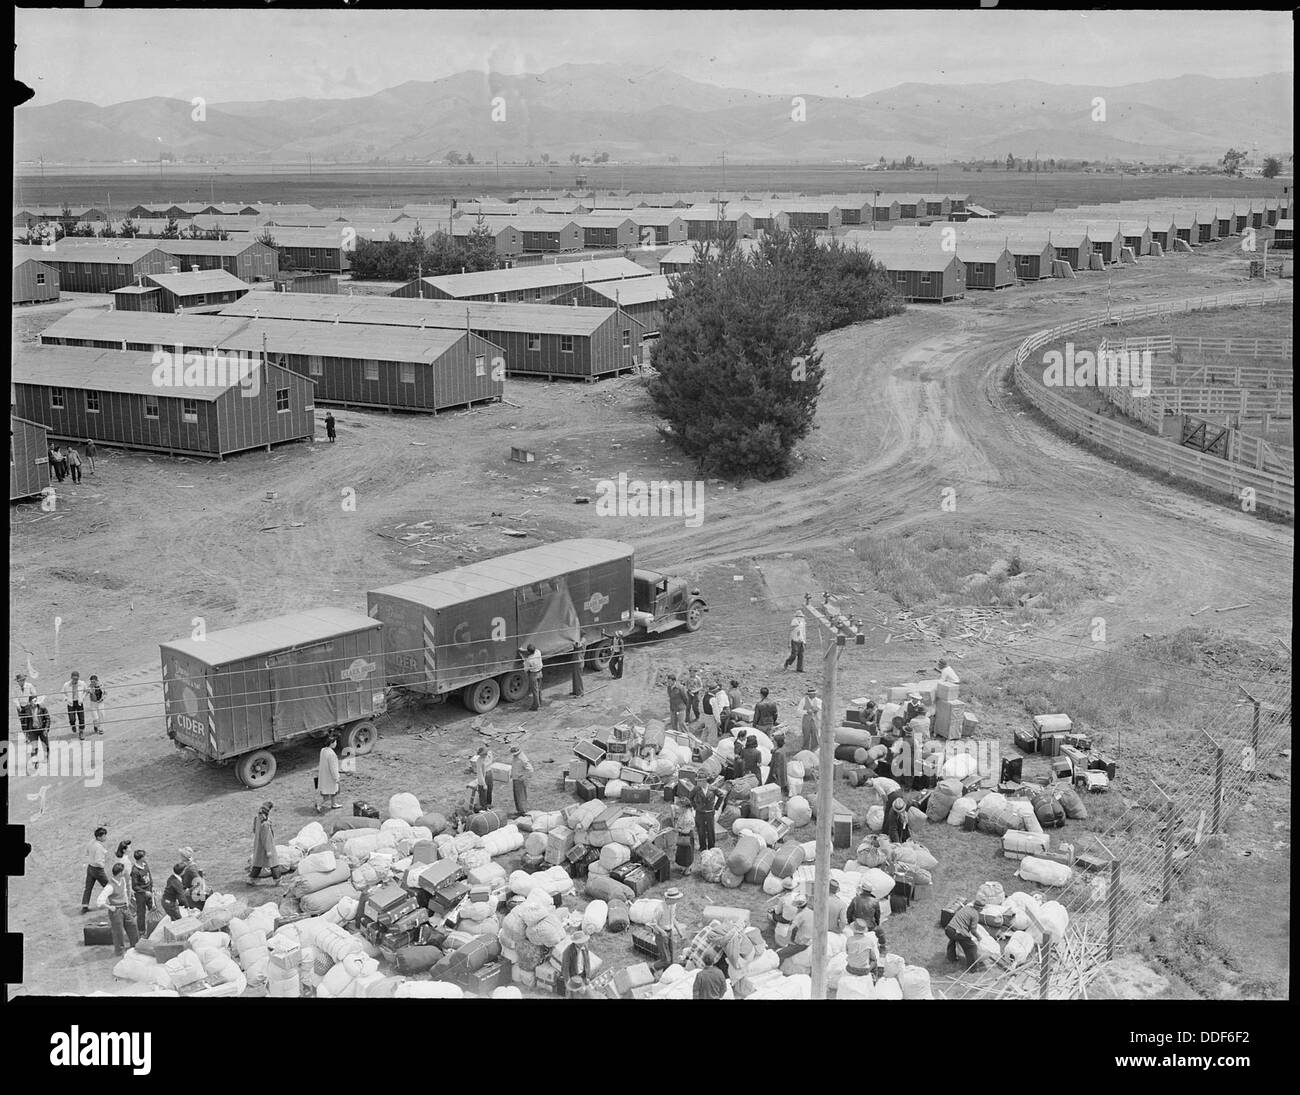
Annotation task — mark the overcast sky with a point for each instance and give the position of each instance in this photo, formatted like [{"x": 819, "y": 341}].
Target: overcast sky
[{"x": 112, "y": 56}]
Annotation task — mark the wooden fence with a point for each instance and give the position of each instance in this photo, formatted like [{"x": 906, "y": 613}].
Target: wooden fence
[{"x": 1221, "y": 476}]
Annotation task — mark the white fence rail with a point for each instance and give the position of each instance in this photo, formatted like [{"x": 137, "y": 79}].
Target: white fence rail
[{"x": 1225, "y": 478}]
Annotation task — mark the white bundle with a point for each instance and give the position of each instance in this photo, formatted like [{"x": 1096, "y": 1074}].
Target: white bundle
[
  {"x": 506, "y": 992},
  {"x": 888, "y": 988},
  {"x": 993, "y": 801},
  {"x": 202, "y": 940},
  {"x": 546, "y": 820},
  {"x": 665, "y": 766},
  {"x": 877, "y": 882},
  {"x": 794, "y": 769},
  {"x": 406, "y": 807},
  {"x": 219, "y": 966},
  {"x": 142, "y": 969},
  {"x": 1024, "y": 809},
  {"x": 772, "y": 885},
  {"x": 799, "y": 811},
  {"x": 317, "y": 863},
  {"x": 985, "y": 945},
  {"x": 761, "y": 829},
  {"x": 963, "y": 808},
  {"x": 594, "y": 916},
  {"x": 554, "y": 880},
  {"x": 856, "y": 987},
  {"x": 466, "y": 841},
  {"x": 1019, "y": 947},
  {"x": 726, "y": 749},
  {"x": 364, "y": 877},
  {"x": 288, "y": 855},
  {"x": 475, "y": 910},
  {"x": 614, "y": 855},
  {"x": 798, "y": 987},
  {"x": 959, "y": 766},
  {"x": 346, "y": 909},
  {"x": 535, "y": 906},
  {"x": 184, "y": 969},
  {"x": 488, "y": 926},
  {"x": 646, "y": 910},
  {"x": 614, "y": 789},
  {"x": 606, "y": 769},
  {"x": 502, "y": 841},
  {"x": 475, "y": 857},
  {"x": 360, "y": 843},
  {"x": 1054, "y": 920},
  {"x": 627, "y": 832},
  {"x": 1045, "y": 872},
  {"x": 429, "y": 990},
  {"x": 311, "y": 835},
  {"x": 535, "y": 844},
  {"x": 522, "y": 883},
  {"x": 398, "y": 826},
  {"x": 381, "y": 862}
]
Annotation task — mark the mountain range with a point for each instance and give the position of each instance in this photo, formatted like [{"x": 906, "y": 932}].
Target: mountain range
[{"x": 648, "y": 114}]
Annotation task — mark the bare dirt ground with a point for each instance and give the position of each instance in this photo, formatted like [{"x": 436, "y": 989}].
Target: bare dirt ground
[{"x": 913, "y": 405}]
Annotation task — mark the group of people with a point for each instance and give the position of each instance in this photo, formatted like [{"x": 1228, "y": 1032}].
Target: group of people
[
  {"x": 127, "y": 888},
  {"x": 81, "y": 698},
  {"x": 858, "y": 919},
  {"x": 521, "y": 770},
  {"x": 65, "y": 462},
  {"x": 531, "y": 659}
]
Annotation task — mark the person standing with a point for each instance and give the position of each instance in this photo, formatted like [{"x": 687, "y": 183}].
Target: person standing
[
  {"x": 96, "y": 858},
  {"x": 961, "y": 933},
  {"x": 327, "y": 775},
  {"x": 142, "y": 890},
  {"x": 95, "y": 704},
  {"x": 861, "y": 949},
  {"x": 866, "y": 908},
  {"x": 579, "y": 656},
  {"x": 520, "y": 769},
  {"x": 704, "y": 801},
  {"x": 483, "y": 777},
  {"x": 751, "y": 759},
  {"x": 56, "y": 463},
  {"x": 837, "y": 909},
  {"x": 25, "y": 702},
  {"x": 74, "y": 464},
  {"x": 765, "y": 714},
  {"x": 798, "y": 637},
  {"x": 694, "y": 689},
  {"x": 616, "y": 658},
  {"x": 90, "y": 453},
  {"x": 329, "y": 426},
  {"x": 532, "y": 660},
  {"x": 74, "y": 695},
  {"x": 677, "y": 701},
  {"x": 722, "y": 708},
  {"x": 264, "y": 853},
  {"x": 685, "y": 822},
  {"x": 776, "y": 770},
  {"x": 810, "y": 711},
  {"x": 117, "y": 898},
  {"x": 175, "y": 894},
  {"x": 196, "y": 888}
]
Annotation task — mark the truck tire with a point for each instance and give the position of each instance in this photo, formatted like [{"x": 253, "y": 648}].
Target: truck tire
[
  {"x": 514, "y": 686},
  {"x": 482, "y": 696},
  {"x": 256, "y": 769},
  {"x": 598, "y": 655},
  {"x": 361, "y": 738},
  {"x": 695, "y": 616}
]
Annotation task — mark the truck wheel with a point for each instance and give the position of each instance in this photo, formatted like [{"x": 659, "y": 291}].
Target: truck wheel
[
  {"x": 514, "y": 686},
  {"x": 361, "y": 738},
  {"x": 481, "y": 697},
  {"x": 694, "y": 616},
  {"x": 598, "y": 655},
  {"x": 256, "y": 769}
]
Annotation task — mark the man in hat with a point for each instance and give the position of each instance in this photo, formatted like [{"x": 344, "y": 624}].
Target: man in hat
[
  {"x": 960, "y": 931},
  {"x": 776, "y": 766},
  {"x": 95, "y": 704},
  {"x": 520, "y": 769},
  {"x": 575, "y": 669},
  {"x": 897, "y": 827},
  {"x": 798, "y": 637},
  {"x": 483, "y": 777},
  {"x": 861, "y": 949},
  {"x": 837, "y": 909},
  {"x": 677, "y": 702},
  {"x": 704, "y": 801},
  {"x": 532, "y": 659},
  {"x": 947, "y": 675},
  {"x": 74, "y": 694},
  {"x": 265, "y": 856},
  {"x": 141, "y": 890},
  {"x": 25, "y": 701},
  {"x": 801, "y": 929},
  {"x": 575, "y": 964},
  {"x": 694, "y": 691},
  {"x": 915, "y": 707},
  {"x": 782, "y": 909},
  {"x": 810, "y": 711},
  {"x": 866, "y": 908}
]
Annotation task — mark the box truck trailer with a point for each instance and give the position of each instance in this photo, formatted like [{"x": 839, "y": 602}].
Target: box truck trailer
[
  {"x": 461, "y": 632},
  {"x": 234, "y": 696}
]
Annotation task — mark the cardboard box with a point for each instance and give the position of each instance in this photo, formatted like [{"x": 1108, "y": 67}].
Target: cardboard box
[
  {"x": 969, "y": 725},
  {"x": 764, "y": 794},
  {"x": 177, "y": 931},
  {"x": 943, "y": 691},
  {"x": 948, "y": 716},
  {"x": 558, "y": 841}
]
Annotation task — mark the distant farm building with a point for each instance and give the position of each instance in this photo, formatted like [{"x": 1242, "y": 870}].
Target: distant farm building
[{"x": 34, "y": 281}]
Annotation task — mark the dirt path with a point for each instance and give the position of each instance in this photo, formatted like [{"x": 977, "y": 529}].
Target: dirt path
[{"x": 913, "y": 405}]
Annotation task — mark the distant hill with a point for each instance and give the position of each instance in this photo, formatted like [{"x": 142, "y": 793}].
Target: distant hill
[{"x": 649, "y": 114}]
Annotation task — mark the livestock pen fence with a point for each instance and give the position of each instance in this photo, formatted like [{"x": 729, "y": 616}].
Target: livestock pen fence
[
  {"x": 1143, "y": 853},
  {"x": 1271, "y": 489}
]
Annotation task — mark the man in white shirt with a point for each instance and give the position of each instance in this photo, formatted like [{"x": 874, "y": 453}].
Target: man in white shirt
[
  {"x": 96, "y": 857},
  {"x": 25, "y": 701},
  {"x": 533, "y": 667},
  {"x": 810, "y": 708},
  {"x": 74, "y": 693},
  {"x": 520, "y": 769},
  {"x": 947, "y": 675},
  {"x": 798, "y": 636},
  {"x": 483, "y": 760}
]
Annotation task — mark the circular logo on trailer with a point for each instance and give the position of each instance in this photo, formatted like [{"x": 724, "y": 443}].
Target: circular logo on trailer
[
  {"x": 595, "y": 603},
  {"x": 358, "y": 671}
]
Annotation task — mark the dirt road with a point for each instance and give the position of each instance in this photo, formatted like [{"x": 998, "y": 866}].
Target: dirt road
[{"x": 913, "y": 405}]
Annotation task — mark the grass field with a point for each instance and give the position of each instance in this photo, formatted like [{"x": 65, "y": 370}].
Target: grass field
[{"x": 375, "y": 185}]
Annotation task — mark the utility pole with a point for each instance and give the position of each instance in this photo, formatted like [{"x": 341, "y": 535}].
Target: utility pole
[{"x": 842, "y": 628}]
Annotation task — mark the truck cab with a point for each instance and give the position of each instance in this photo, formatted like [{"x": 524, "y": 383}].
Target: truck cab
[{"x": 662, "y": 602}]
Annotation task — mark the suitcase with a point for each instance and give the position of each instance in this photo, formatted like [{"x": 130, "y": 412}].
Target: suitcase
[
  {"x": 587, "y": 789},
  {"x": 99, "y": 934},
  {"x": 632, "y": 775},
  {"x": 842, "y": 830},
  {"x": 1103, "y": 763},
  {"x": 1062, "y": 768},
  {"x": 440, "y": 874},
  {"x": 948, "y": 912},
  {"x": 645, "y": 941},
  {"x": 589, "y": 751},
  {"x": 1026, "y": 742},
  {"x": 442, "y": 901},
  {"x": 1050, "y": 744},
  {"x": 361, "y": 808},
  {"x": 640, "y": 793},
  {"x": 494, "y": 975},
  {"x": 1079, "y": 741},
  {"x": 383, "y": 899},
  {"x": 165, "y": 952},
  {"x": 670, "y": 790},
  {"x": 653, "y": 858},
  {"x": 1012, "y": 769},
  {"x": 634, "y": 876}
]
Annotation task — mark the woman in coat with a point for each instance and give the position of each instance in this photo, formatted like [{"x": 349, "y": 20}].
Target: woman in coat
[
  {"x": 684, "y": 823},
  {"x": 327, "y": 775},
  {"x": 264, "y": 856}
]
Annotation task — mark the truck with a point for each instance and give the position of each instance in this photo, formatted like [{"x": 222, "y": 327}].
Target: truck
[
  {"x": 461, "y": 632},
  {"x": 237, "y": 695}
]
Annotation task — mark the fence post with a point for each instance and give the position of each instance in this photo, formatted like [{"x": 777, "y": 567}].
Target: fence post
[
  {"x": 1112, "y": 909},
  {"x": 1044, "y": 967},
  {"x": 1254, "y": 740}
]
